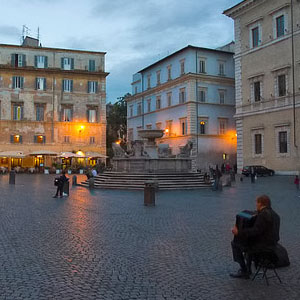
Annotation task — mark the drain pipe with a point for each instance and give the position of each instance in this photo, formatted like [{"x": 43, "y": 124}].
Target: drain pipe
[{"x": 293, "y": 75}]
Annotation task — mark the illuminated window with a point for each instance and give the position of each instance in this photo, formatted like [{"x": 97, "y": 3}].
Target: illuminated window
[
  {"x": 18, "y": 112},
  {"x": 16, "y": 139},
  {"x": 92, "y": 115},
  {"x": 66, "y": 114},
  {"x": 39, "y": 139},
  {"x": 168, "y": 129}
]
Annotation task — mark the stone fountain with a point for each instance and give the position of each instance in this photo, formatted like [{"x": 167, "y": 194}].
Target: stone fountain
[{"x": 145, "y": 156}]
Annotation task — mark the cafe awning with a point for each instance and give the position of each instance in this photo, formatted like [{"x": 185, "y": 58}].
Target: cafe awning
[
  {"x": 44, "y": 152},
  {"x": 14, "y": 154}
]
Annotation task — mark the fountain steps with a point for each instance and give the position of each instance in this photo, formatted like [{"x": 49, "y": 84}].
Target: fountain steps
[{"x": 115, "y": 180}]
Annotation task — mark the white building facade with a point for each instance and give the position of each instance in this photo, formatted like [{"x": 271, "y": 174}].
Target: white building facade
[{"x": 190, "y": 95}]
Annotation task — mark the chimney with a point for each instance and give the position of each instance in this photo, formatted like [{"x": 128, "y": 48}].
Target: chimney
[{"x": 30, "y": 42}]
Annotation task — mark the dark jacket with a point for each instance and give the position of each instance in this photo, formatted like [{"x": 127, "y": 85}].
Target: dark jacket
[
  {"x": 265, "y": 232},
  {"x": 62, "y": 179}
]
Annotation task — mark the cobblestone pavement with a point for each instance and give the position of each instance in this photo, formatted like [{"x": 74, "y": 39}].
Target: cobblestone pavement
[{"x": 105, "y": 244}]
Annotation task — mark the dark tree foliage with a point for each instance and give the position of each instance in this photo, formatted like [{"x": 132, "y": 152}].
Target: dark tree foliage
[{"x": 116, "y": 128}]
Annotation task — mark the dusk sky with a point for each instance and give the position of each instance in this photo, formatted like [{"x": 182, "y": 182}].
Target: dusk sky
[{"x": 133, "y": 33}]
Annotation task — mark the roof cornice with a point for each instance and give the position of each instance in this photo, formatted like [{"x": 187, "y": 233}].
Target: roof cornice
[{"x": 238, "y": 9}]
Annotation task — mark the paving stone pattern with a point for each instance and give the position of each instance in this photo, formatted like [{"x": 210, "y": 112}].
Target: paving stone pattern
[{"x": 106, "y": 244}]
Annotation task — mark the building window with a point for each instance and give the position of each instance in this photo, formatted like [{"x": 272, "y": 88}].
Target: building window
[
  {"x": 67, "y": 85},
  {"x": 18, "y": 112},
  {"x": 257, "y": 93},
  {"x": 18, "y": 60},
  {"x": 201, "y": 94},
  {"x": 182, "y": 96},
  {"x": 169, "y": 72},
  {"x": 40, "y": 61},
  {"x": 149, "y": 81},
  {"x": 92, "y": 115},
  {"x": 18, "y": 82},
  {"x": 222, "y": 126},
  {"x": 131, "y": 110},
  {"x": 255, "y": 37},
  {"x": 139, "y": 109},
  {"x": 66, "y": 139},
  {"x": 258, "y": 143},
  {"x": 158, "y": 78},
  {"x": 92, "y": 65},
  {"x": 149, "y": 105},
  {"x": 135, "y": 90},
  {"x": 158, "y": 125},
  {"x": 39, "y": 139},
  {"x": 67, "y": 63},
  {"x": 282, "y": 137},
  {"x": 221, "y": 68},
  {"x": 39, "y": 112},
  {"x": 149, "y": 126},
  {"x": 281, "y": 85},
  {"x": 16, "y": 139},
  {"x": 92, "y": 140},
  {"x": 169, "y": 98},
  {"x": 92, "y": 87},
  {"x": 158, "y": 102},
  {"x": 222, "y": 96},
  {"x": 168, "y": 130},
  {"x": 67, "y": 114},
  {"x": 280, "y": 26},
  {"x": 202, "y": 66},
  {"x": 183, "y": 126},
  {"x": 40, "y": 84},
  {"x": 182, "y": 67},
  {"x": 202, "y": 126}
]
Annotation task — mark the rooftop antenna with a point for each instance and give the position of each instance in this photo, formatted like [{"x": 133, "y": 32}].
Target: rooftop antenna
[
  {"x": 25, "y": 31},
  {"x": 38, "y": 33}
]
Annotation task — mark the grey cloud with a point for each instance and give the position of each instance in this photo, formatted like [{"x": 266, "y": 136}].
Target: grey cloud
[{"x": 9, "y": 31}]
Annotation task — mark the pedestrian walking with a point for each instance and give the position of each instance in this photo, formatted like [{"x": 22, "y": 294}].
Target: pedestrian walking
[
  {"x": 59, "y": 182},
  {"x": 296, "y": 182}
]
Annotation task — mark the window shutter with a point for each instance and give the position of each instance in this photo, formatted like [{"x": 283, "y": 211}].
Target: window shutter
[
  {"x": 20, "y": 139},
  {"x": 71, "y": 115},
  {"x": 71, "y": 83},
  {"x": 46, "y": 61},
  {"x": 96, "y": 87},
  {"x": 24, "y": 60},
  {"x": 11, "y": 138},
  {"x": 90, "y": 65},
  {"x": 13, "y": 60},
  {"x": 72, "y": 63},
  {"x": 35, "y": 61},
  {"x": 22, "y": 112},
  {"x": 44, "y": 139},
  {"x": 63, "y": 85},
  {"x": 62, "y": 62},
  {"x": 35, "y": 138},
  {"x": 88, "y": 86},
  {"x": 45, "y": 84},
  {"x": 14, "y": 82},
  {"x": 36, "y": 83},
  {"x": 21, "y": 82},
  {"x": 87, "y": 115}
]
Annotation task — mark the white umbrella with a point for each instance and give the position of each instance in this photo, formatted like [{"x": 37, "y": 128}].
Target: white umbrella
[
  {"x": 15, "y": 154},
  {"x": 43, "y": 152},
  {"x": 70, "y": 155},
  {"x": 95, "y": 154}
]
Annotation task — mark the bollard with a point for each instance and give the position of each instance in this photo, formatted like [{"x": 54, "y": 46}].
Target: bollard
[
  {"x": 149, "y": 193},
  {"x": 12, "y": 177},
  {"x": 91, "y": 182},
  {"x": 74, "y": 180},
  {"x": 66, "y": 188}
]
